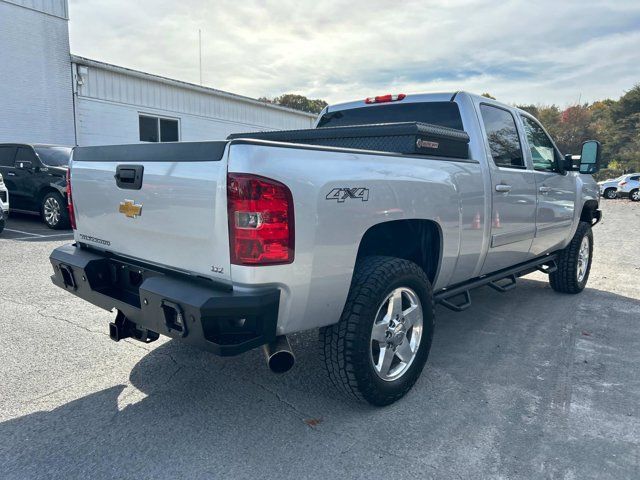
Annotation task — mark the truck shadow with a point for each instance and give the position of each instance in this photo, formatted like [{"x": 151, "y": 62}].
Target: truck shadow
[{"x": 187, "y": 413}]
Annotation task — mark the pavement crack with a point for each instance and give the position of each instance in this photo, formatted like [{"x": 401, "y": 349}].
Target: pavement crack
[
  {"x": 48, "y": 394},
  {"x": 133, "y": 343},
  {"x": 285, "y": 402},
  {"x": 176, "y": 371},
  {"x": 41, "y": 312}
]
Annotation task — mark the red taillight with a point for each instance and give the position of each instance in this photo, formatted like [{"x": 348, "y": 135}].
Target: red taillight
[
  {"x": 72, "y": 213},
  {"x": 385, "y": 98},
  {"x": 622, "y": 184},
  {"x": 261, "y": 230}
]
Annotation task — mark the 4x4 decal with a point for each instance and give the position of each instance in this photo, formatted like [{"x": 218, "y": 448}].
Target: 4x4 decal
[{"x": 342, "y": 194}]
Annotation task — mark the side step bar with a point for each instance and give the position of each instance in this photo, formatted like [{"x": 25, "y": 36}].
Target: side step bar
[{"x": 546, "y": 264}]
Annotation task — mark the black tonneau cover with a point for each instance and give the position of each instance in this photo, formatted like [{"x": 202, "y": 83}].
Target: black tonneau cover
[{"x": 409, "y": 138}]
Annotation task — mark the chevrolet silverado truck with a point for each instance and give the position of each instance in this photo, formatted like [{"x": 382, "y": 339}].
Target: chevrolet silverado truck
[{"x": 357, "y": 228}]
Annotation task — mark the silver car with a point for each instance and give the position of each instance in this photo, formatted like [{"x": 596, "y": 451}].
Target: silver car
[
  {"x": 629, "y": 187},
  {"x": 609, "y": 188}
]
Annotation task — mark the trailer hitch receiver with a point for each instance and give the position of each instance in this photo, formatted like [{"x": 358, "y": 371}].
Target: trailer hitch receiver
[{"x": 174, "y": 317}]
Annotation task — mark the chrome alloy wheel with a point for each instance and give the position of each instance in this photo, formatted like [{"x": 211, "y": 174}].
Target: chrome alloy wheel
[
  {"x": 396, "y": 334},
  {"x": 52, "y": 211},
  {"x": 635, "y": 195},
  {"x": 583, "y": 259}
]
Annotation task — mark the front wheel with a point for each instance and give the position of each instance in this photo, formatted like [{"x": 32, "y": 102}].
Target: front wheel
[
  {"x": 610, "y": 193},
  {"x": 379, "y": 347},
  {"x": 54, "y": 211},
  {"x": 635, "y": 195},
  {"x": 574, "y": 262}
]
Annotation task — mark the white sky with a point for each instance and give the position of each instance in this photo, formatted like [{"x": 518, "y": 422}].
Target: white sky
[{"x": 519, "y": 51}]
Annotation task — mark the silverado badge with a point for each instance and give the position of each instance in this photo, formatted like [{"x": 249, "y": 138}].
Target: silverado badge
[{"x": 130, "y": 209}]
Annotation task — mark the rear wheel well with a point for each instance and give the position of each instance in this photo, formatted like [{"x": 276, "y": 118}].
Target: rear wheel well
[{"x": 418, "y": 241}]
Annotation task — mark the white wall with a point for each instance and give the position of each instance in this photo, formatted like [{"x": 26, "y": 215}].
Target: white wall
[
  {"x": 104, "y": 123},
  {"x": 58, "y": 8},
  {"x": 36, "y": 102},
  {"x": 109, "y": 100}
]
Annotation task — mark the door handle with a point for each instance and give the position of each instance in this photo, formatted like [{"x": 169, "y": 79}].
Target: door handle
[
  {"x": 544, "y": 190},
  {"x": 501, "y": 187},
  {"x": 11, "y": 174}
]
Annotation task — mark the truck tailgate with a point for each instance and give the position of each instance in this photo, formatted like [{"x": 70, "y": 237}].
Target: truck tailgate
[{"x": 176, "y": 218}]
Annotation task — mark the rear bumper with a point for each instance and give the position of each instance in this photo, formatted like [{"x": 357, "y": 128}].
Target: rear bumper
[{"x": 224, "y": 321}]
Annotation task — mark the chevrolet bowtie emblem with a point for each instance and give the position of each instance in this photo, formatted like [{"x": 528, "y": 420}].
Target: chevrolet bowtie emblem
[{"x": 130, "y": 209}]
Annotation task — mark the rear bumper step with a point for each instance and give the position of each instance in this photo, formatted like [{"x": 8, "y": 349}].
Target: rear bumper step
[{"x": 225, "y": 322}]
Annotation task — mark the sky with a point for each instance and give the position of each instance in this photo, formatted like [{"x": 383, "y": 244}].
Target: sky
[{"x": 522, "y": 52}]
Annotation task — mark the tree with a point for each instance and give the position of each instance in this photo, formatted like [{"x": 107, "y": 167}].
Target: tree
[
  {"x": 488, "y": 95},
  {"x": 574, "y": 128},
  {"x": 297, "y": 102},
  {"x": 531, "y": 109}
]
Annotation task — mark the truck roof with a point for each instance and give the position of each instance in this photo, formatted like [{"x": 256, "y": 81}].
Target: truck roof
[{"x": 414, "y": 98}]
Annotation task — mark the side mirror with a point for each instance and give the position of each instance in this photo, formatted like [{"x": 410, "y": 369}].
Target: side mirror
[
  {"x": 590, "y": 157},
  {"x": 24, "y": 165}
]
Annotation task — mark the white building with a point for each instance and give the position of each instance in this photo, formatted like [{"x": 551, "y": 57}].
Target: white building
[
  {"x": 36, "y": 103},
  {"x": 50, "y": 96}
]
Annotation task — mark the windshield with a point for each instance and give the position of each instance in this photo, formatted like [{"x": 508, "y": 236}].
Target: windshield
[
  {"x": 54, "y": 156},
  {"x": 444, "y": 114}
]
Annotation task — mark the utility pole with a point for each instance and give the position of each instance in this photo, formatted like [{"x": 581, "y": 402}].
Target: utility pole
[{"x": 200, "y": 52}]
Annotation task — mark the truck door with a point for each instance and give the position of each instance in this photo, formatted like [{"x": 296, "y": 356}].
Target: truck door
[
  {"x": 513, "y": 191},
  {"x": 556, "y": 191}
]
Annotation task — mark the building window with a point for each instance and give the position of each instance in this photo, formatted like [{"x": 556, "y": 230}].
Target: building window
[{"x": 156, "y": 129}]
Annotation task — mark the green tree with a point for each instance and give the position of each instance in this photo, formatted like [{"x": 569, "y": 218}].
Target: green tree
[{"x": 297, "y": 102}]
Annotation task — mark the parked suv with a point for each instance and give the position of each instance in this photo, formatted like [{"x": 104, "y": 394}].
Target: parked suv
[
  {"x": 630, "y": 187},
  {"x": 35, "y": 176},
  {"x": 609, "y": 187},
  {"x": 4, "y": 204}
]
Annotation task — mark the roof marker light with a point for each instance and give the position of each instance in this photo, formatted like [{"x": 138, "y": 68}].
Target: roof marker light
[{"x": 385, "y": 98}]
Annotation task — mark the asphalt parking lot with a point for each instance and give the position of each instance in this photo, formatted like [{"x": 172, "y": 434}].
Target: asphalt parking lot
[{"x": 526, "y": 384}]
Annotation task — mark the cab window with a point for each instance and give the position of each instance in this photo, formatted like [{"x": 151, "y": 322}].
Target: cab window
[
  {"x": 544, "y": 154},
  {"x": 26, "y": 155},
  {"x": 7, "y": 156},
  {"x": 502, "y": 135}
]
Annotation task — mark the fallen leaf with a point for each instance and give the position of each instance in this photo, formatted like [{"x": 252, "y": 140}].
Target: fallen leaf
[{"x": 313, "y": 422}]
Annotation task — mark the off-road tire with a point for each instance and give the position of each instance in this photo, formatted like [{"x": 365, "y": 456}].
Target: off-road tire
[
  {"x": 634, "y": 195},
  {"x": 610, "y": 193},
  {"x": 63, "y": 221},
  {"x": 565, "y": 278},
  {"x": 345, "y": 347}
]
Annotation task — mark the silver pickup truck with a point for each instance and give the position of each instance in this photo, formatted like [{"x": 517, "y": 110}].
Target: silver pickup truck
[{"x": 358, "y": 228}]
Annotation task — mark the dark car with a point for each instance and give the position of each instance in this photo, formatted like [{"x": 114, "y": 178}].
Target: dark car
[{"x": 35, "y": 176}]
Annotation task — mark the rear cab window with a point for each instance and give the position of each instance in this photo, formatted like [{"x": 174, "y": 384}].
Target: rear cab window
[
  {"x": 503, "y": 138},
  {"x": 443, "y": 114}
]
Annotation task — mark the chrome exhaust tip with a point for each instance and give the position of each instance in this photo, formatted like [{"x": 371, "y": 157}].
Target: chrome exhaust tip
[{"x": 279, "y": 356}]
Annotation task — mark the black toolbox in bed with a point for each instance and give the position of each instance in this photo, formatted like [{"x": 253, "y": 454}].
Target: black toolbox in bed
[{"x": 410, "y": 138}]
